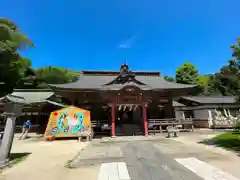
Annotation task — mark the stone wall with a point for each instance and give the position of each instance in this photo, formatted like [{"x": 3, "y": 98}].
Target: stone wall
[{"x": 201, "y": 123}]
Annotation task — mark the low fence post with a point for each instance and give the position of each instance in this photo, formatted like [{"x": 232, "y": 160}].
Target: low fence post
[
  {"x": 192, "y": 123},
  {"x": 154, "y": 127}
]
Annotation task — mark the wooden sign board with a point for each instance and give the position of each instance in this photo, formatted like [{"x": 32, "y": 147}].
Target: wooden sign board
[{"x": 67, "y": 122}]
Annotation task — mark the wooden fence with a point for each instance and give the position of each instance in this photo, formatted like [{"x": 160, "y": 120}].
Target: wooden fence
[
  {"x": 158, "y": 125},
  {"x": 99, "y": 129}
]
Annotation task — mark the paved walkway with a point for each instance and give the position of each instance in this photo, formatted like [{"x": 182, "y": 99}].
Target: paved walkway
[
  {"x": 152, "y": 158},
  {"x": 46, "y": 162},
  {"x": 125, "y": 158},
  {"x": 229, "y": 161}
]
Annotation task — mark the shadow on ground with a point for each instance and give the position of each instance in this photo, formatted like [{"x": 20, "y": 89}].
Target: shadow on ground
[{"x": 16, "y": 158}]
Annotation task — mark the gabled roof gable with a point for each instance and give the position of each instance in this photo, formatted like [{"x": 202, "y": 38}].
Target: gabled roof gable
[{"x": 125, "y": 76}]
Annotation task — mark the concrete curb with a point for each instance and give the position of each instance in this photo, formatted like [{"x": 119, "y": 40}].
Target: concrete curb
[{"x": 71, "y": 163}]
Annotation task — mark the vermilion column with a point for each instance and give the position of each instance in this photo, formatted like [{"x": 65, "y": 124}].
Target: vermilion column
[
  {"x": 113, "y": 119},
  {"x": 145, "y": 121}
]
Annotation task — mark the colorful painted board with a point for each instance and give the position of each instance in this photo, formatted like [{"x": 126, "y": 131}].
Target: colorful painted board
[{"x": 67, "y": 122}]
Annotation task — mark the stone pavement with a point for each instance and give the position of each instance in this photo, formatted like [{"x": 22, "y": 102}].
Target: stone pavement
[
  {"x": 125, "y": 158},
  {"x": 151, "y": 158},
  {"x": 226, "y": 160}
]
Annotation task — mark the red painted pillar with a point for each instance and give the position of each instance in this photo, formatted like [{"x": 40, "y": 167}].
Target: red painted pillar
[
  {"x": 113, "y": 119},
  {"x": 144, "y": 107}
]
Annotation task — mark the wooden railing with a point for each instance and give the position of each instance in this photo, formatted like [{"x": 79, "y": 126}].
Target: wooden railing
[
  {"x": 156, "y": 125},
  {"x": 18, "y": 128},
  {"x": 98, "y": 123}
]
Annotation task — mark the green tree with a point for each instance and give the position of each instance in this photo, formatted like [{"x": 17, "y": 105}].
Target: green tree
[
  {"x": 227, "y": 81},
  {"x": 203, "y": 82},
  {"x": 56, "y": 75},
  {"x": 235, "y": 65},
  {"x": 187, "y": 74},
  {"x": 213, "y": 85},
  {"x": 12, "y": 64},
  {"x": 169, "y": 78},
  {"x": 236, "y": 50}
]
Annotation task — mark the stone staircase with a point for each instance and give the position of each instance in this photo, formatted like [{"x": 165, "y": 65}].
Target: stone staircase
[{"x": 128, "y": 130}]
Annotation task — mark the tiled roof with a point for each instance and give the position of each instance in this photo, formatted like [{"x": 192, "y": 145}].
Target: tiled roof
[
  {"x": 26, "y": 96},
  {"x": 211, "y": 99},
  {"x": 118, "y": 80},
  {"x": 121, "y": 86},
  {"x": 98, "y": 82},
  {"x": 177, "y": 104}
]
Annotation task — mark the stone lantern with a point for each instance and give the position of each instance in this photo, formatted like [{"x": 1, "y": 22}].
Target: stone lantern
[{"x": 12, "y": 110}]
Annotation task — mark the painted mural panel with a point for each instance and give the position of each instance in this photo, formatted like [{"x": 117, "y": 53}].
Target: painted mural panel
[{"x": 67, "y": 122}]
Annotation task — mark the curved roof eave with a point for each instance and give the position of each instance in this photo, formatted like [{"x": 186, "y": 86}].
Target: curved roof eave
[
  {"x": 120, "y": 88},
  {"x": 29, "y": 97},
  {"x": 97, "y": 82},
  {"x": 161, "y": 83},
  {"x": 178, "y": 88}
]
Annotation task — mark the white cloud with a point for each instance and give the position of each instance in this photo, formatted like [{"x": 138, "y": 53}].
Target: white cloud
[{"x": 127, "y": 43}]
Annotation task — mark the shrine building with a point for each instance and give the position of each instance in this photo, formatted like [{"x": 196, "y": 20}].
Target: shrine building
[{"x": 123, "y": 100}]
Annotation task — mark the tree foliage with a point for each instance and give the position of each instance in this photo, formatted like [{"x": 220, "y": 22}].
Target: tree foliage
[
  {"x": 16, "y": 71},
  {"x": 12, "y": 64},
  {"x": 225, "y": 82},
  {"x": 203, "y": 82},
  {"x": 187, "y": 74},
  {"x": 56, "y": 75},
  {"x": 169, "y": 78}
]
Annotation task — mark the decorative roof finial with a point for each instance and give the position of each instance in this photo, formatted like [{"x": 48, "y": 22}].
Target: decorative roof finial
[{"x": 124, "y": 66}]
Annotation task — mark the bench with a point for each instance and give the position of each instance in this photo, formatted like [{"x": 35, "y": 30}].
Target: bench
[{"x": 172, "y": 131}]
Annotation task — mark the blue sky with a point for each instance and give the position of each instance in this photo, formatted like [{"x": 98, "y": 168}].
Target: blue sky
[{"x": 153, "y": 35}]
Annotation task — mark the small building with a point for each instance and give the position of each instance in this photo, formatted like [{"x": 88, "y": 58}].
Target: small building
[
  {"x": 123, "y": 100},
  {"x": 202, "y": 108},
  {"x": 38, "y": 104}
]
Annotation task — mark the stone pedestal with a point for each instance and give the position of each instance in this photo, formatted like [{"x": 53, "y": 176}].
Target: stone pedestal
[{"x": 12, "y": 111}]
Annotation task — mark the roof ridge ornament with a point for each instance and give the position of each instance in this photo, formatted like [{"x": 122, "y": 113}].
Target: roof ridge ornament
[{"x": 125, "y": 76}]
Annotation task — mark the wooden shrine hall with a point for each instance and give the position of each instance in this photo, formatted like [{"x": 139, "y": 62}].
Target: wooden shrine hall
[{"x": 123, "y": 100}]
